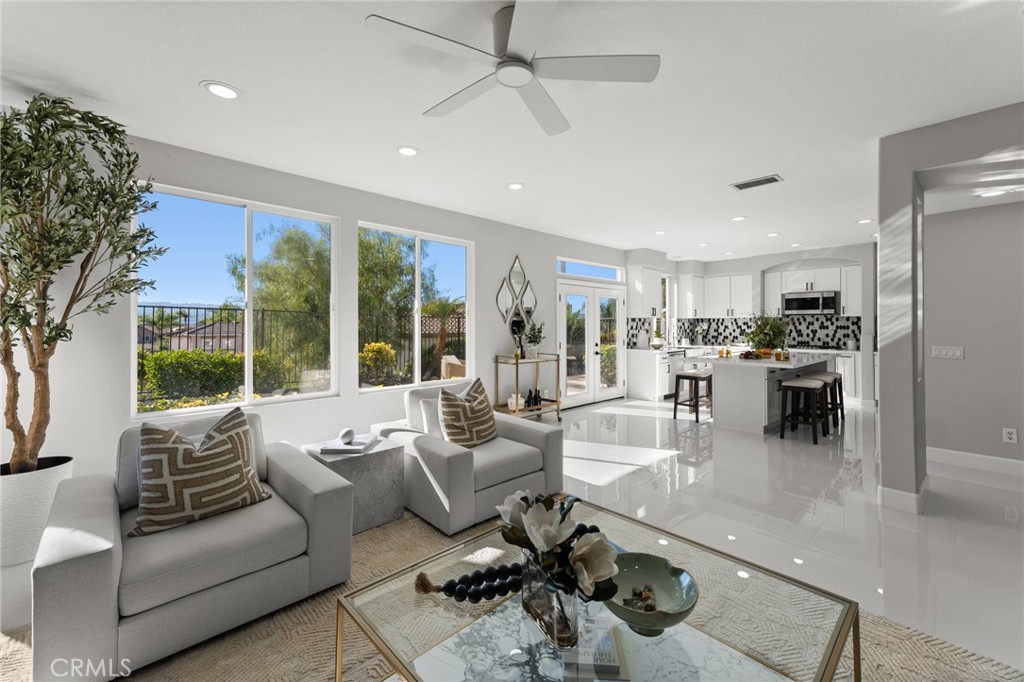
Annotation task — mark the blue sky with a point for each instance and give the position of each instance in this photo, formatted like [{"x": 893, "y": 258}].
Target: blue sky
[{"x": 201, "y": 234}]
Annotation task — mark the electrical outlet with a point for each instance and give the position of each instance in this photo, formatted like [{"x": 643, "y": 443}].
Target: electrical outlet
[
  {"x": 1009, "y": 435},
  {"x": 1012, "y": 514}
]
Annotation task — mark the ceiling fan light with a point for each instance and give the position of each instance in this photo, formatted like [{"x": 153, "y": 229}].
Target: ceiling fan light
[{"x": 514, "y": 74}]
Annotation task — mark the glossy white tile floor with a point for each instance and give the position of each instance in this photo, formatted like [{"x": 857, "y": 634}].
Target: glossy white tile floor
[{"x": 808, "y": 511}]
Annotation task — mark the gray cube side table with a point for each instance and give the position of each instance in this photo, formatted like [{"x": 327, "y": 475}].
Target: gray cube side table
[{"x": 377, "y": 478}]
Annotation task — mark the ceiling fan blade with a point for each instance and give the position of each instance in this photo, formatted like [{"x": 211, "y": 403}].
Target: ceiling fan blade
[
  {"x": 462, "y": 97},
  {"x": 529, "y": 19},
  {"x": 431, "y": 40},
  {"x": 543, "y": 108},
  {"x": 631, "y": 68}
]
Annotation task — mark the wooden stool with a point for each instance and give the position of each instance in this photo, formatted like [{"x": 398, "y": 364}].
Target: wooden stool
[
  {"x": 813, "y": 410},
  {"x": 695, "y": 377},
  {"x": 831, "y": 393},
  {"x": 835, "y": 393}
]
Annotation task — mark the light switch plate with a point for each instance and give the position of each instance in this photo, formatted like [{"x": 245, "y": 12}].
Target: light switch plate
[{"x": 948, "y": 352}]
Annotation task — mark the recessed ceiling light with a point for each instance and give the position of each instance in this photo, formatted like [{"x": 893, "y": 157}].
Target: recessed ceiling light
[
  {"x": 731, "y": 537},
  {"x": 797, "y": 561},
  {"x": 729, "y": 253},
  {"x": 702, "y": 244},
  {"x": 864, "y": 221},
  {"x": 773, "y": 234},
  {"x": 406, "y": 150},
  {"x": 662, "y": 541},
  {"x": 875, "y": 235},
  {"x": 743, "y": 574},
  {"x": 738, "y": 218},
  {"x": 659, "y": 232},
  {"x": 220, "y": 89},
  {"x": 516, "y": 185},
  {"x": 993, "y": 193},
  {"x": 881, "y": 591},
  {"x": 795, "y": 244}
]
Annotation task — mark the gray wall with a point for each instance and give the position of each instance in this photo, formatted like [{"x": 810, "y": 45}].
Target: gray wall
[
  {"x": 91, "y": 375},
  {"x": 902, "y": 392},
  {"x": 974, "y": 297}
]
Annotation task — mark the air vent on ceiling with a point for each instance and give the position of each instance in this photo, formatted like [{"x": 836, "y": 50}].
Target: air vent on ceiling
[{"x": 757, "y": 182}]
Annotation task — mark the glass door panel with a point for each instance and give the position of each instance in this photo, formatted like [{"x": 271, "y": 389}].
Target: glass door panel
[{"x": 576, "y": 359}]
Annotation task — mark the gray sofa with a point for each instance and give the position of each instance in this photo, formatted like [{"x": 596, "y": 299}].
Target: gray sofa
[
  {"x": 99, "y": 595},
  {"x": 453, "y": 488}
]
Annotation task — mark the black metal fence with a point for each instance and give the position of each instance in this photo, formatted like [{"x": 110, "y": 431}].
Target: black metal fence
[
  {"x": 301, "y": 337},
  {"x": 397, "y": 331}
]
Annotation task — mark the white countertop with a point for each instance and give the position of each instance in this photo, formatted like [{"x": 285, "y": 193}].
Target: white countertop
[
  {"x": 798, "y": 360},
  {"x": 829, "y": 351}
]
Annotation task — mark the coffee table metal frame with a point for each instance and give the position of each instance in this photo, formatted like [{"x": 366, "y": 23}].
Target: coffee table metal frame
[{"x": 826, "y": 669}]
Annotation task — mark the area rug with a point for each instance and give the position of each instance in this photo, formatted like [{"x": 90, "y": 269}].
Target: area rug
[{"x": 297, "y": 642}]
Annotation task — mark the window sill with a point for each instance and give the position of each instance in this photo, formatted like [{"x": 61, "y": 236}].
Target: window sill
[
  {"x": 409, "y": 387},
  {"x": 176, "y": 415}
]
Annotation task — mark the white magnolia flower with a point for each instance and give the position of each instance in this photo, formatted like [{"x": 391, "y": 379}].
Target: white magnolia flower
[
  {"x": 513, "y": 508},
  {"x": 593, "y": 560},
  {"x": 544, "y": 529}
]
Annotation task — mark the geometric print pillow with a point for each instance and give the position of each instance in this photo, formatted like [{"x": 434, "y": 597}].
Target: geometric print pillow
[
  {"x": 467, "y": 419},
  {"x": 180, "y": 483}
]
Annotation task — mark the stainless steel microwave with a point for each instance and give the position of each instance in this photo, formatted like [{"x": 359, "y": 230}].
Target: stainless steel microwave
[{"x": 810, "y": 303}]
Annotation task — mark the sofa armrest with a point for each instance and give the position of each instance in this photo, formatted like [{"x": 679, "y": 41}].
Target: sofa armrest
[
  {"x": 385, "y": 429},
  {"x": 546, "y": 438},
  {"x": 439, "y": 481},
  {"x": 324, "y": 499},
  {"x": 75, "y": 578}
]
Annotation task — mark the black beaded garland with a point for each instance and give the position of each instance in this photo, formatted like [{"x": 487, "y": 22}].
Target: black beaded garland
[
  {"x": 465, "y": 580},
  {"x": 503, "y": 572},
  {"x": 515, "y": 583},
  {"x": 501, "y": 587},
  {"x": 449, "y": 588},
  {"x": 491, "y": 582},
  {"x": 581, "y": 529},
  {"x": 593, "y": 529},
  {"x": 474, "y": 594},
  {"x": 488, "y": 590},
  {"x": 477, "y": 577},
  {"x": 515, "y": 569},
  {"x": 460, "y": 592}
]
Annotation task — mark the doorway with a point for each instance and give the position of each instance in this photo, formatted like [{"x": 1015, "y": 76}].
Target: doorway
[{"x": 591, "y": 343}]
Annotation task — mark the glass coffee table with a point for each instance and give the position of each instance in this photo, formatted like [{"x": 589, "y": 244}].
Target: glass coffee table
[{"x": 750, "y": 623}]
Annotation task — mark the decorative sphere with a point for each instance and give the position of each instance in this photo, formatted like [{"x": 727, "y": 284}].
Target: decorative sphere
[
  {"x": 516, "y": 569},
  {"x": 474, "y": 594},
  {"x": 581, "y": 529},
  {"x": 465, "y": 580},
  {"x": 490, "y": 574},
  {"x": 593, "y": 529},
  {"x": 503, "y": 572},
  {"x": 346, "y": 436},
  {"x": 449, "y": 588},
  {"x": 461, "y": 592},
  {"x": 501, "y": 587},
  {"x": 477, "y": 577},
  {"x": 515, "y": 583},
  {"x": 488, "y": 590}
]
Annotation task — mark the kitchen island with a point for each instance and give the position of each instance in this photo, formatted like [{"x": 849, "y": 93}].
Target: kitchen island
[{"x": 748, "y": 393}]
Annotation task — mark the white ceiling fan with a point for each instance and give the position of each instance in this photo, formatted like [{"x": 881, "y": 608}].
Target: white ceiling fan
[{"x": 517, "y": 31}]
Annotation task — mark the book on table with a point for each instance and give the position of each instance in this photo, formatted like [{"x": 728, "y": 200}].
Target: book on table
[
  {"x": 360, "y": 445},
  {"x": 598, "y": 656}
]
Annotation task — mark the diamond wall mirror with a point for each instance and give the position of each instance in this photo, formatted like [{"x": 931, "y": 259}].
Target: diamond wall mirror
[
  {"x": 505, "y": 300},
  {"x": 529, "y": 301},
  {"x": 516, "y": 277}
]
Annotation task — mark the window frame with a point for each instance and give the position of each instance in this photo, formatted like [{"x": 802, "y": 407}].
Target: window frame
[
  {"x": 249, "y": 206},
  {"x": 420, "y": 237},
  {"x": 620, "y": 271}
]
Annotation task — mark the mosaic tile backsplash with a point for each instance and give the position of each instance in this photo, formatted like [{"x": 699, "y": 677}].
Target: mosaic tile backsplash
[{"x": 815, "y": 331}]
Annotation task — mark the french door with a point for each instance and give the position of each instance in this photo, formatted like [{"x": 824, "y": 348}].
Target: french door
[{"x": 591, "y": 343}]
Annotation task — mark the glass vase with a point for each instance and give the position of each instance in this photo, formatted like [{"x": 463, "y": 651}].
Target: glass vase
[{"x": 554, "y": 611}]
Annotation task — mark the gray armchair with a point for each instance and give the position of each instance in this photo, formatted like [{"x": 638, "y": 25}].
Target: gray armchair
[
  {"x": 452, "y": 487},
  {"x": 99, "y": 595}
]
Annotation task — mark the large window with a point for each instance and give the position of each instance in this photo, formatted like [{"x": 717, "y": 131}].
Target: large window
[
  {"x": 413, "y": 324},
  {"x": 241, "y": 307}
]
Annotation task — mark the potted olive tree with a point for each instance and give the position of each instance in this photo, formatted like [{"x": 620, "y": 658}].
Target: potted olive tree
[{"x": 67, "y": 248}]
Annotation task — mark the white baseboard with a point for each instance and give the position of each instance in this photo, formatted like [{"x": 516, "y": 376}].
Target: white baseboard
[
  {"x": 901, "y": 500},
  {"x": 972, "y": 460}
]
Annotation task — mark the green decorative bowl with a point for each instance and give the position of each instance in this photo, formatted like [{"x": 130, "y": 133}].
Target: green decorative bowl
[{"x": 675, "y": 592}]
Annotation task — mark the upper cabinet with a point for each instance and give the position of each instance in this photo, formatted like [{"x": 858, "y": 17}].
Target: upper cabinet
[
  {"x": 850, "y": 298},
  {"x": 772, "y": 293},
  {"x": 820, "y": 279},
  {"x": 728, "y": 296},
  {"x": 645, "y": 293},
  {"x": 690, "y": 296}
]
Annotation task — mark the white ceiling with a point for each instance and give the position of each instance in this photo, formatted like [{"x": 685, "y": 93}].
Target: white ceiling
[{"x": 745, "y": 89}]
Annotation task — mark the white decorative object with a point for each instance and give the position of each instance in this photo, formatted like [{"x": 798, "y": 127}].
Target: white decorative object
[
  {"x": 25, "y": 501},
  {"x": 515, "y": 402},
  {"x": 531, "y": 352},
  {"x": 346, "y": 436}
]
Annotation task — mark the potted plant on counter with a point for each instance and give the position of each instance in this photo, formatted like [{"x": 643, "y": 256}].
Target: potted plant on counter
[
  {"x": 768, "y": 333},
  {"x": 67, "y": 248}
]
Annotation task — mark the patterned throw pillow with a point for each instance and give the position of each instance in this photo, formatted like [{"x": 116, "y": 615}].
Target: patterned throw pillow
[
  {"x": 180, "y": 483},
  {"x": 468, "y": 419}
]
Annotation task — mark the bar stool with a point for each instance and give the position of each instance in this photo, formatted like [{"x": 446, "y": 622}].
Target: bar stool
[
  {"x": 696, "y": 377},
  {"x": 810, "y": 392},
  {"x": 837, "y": 406}
]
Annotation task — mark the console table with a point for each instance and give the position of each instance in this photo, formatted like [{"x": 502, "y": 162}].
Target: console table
[{"x": 547, "y": 404}]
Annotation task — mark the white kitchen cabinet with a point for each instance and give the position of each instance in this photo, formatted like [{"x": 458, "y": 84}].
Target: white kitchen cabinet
[
  {"x": 690, "y": 296},
  {"x": 643, "y": 291},
  {"x": 850, "y": 298},
  {"x": 820, "y": 279},
  {"x": 717, "y": 296},
  {"x": 728, "y": 296},
  {"x": 742, "y": 295},
  {"x": 771, "y": 292}
]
